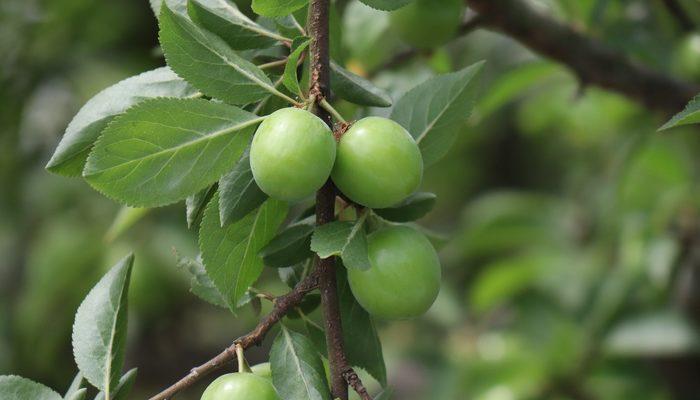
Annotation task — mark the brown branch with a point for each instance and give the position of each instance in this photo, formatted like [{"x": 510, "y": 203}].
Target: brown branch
[
  {"x": 283, "y": 305},
  {"x": 355, "y": 383},
  {"x": 591, "y": 60},
  {"x": 676, "y": 10}
]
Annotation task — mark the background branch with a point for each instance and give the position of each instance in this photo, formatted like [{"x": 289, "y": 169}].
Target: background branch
[
  {"x": 283, "y": 305},
  {"x": 591, "y": 60}
]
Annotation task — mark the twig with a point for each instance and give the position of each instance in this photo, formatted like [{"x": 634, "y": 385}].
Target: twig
[
  {"x": 591, "y": 60},
  {"x": 283, "y": 305},
  {"x": 355, "y": 383},
  {"x": 273, "y": 64}
]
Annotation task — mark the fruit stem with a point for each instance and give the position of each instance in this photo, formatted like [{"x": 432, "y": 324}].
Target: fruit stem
[
  {"x": 242, "y": 363},
  {"x": 328, "y": 107}
]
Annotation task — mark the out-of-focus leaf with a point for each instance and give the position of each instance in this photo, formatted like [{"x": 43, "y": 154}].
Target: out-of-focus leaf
[
  {"x": 357, "y": 89},
  {"x": 290, "y": 78},
  {"x": 15, "y": 387},
  {"x": 196, "y": 203},
  {"x": 163, "y": 150},
  {"x": 512, "y": 84},
  {"x": 658, "y": 334},
  {"x": 197, "y": 55},
  {"x": 223, "y": 18},
  {"x": 82, "y": 132},
  {"x": 435, "y": 111},
  {"x": 277, "y": 8},
  {"x": 385, "y": 394},
  {"x": 200, "y": 284},
  {"x": 291, "y": 276},
  {"x": 230, "y": 253},
  {"x": 178, "y": 6},
  {"x": 289, "y": 247},
  {"x": 75, "y": 385},
  {"x": 123, "y": 388},
  {"x": 297, "y": 370},
  {"x": 344, "y": 239},
  {"x": 412, "y": 208},
  {"x": 690, "y": 115},
  {"x": 80, "y": 394},
  {"x": 362, "y": 344},
  {"x": 386, "y": 5},
  {"x": 238, "y": 192},
  {"x": 125, "y": 219},
  {"x": 99, "y": 331}
]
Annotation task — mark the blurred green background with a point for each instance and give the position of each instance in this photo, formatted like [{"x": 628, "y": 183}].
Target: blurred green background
[{"x": 571, "y": 251}]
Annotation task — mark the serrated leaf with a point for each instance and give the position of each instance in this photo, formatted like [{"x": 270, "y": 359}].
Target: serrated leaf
[
  {"x": 357, "y": 89},
  {"x": 82, "y": 132},
  {"x": 362, "y": 345},
  {"x": 238, "y": 192},
  {"x": 200, "y": 283},
  {"x": 689, "y": 115},
  {"x": 290, "y": 78},
  {"x": 179, "y": 6},
  {"x": 412, "y": 208},
  {"x": 344, "y": 239},
  {"x": 436, "y": 110},
  {"x": 196, "y": 203},
  {"x": 289, "y": 247},
  {"x": 230, "y": 253},
  {"x": 223, "y": 18},
  {"x": 123, "y": 388},
  {"x": 277, "y": 8},
  {"x": 297, "y": 369},
  {"x": 16, "y": 387},
  {"x": 209, "y": 64},
  {"x": 125, "y": 219},
  {"x": 75, "y": 386},
  {"x": 99, "y": 331},
  {"x": 163, "y": 150},
  {"x": 80, "y": 394},
  {"x": 386, "y": 5}
]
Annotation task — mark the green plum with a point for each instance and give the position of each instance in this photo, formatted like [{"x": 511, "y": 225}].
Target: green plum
[
  {"x": 686, "y": 58},
  {"x": 404, "y": 278},
  {"x": 240, "y": 385},
  {"x": 378, "y": 163},
  {"x": 428, "y": 23},
  {"x": 292, "y": 154}
]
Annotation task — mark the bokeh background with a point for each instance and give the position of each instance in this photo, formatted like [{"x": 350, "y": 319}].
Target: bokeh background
[{"x": 569, "y": 228}]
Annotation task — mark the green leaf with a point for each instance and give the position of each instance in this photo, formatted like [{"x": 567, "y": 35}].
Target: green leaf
[
  {"x": 208, "y": 63},
  {"x": 289, "y": 247},
  {"x": 238, "y": 192},
  {"x": 196, "y": 203},
  {"x": 179, "y": 6},
  {"x": 362, "y": 345},
  {"x": 297, "y": 369},
  {"x": 277, "y": 8},
  {"x": 16, "y": 387},
  {"x": 386, "y": 5},
  {"x": 200, "y": 283},
  {"x": 385, "y": 394},
  {"x": 80, "y": 394},
  {"x": 123, "y": 388},
  {"x": 412, "y": 208},
  {"x": 690, "y": 115},
  {"x": 74, "y": 386},
  {"x": 344, "y": 239},
  {"x": 291, "y": 276},
  {"x": 316, "y": 334},
  {"x": 658, "y": 334},
  {"x": 436, "y": 110},
  {"x": 73, "y": 149},
  {"x": 99, "y": 331},
  {"x": 230, "y": 253},
  {"x": 125, "y": 219},
  {"x": 290, "y": 78},
  {"x": 163, "y": 150},
  {"x": 223, "y": 18},
  {"x": 357, "y": 89}
]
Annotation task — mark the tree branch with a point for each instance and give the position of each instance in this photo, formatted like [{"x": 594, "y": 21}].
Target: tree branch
[
  {"x": 591, "y": 60},
  {"x": 283, "y": 305},
  {"x": 317, "y": 26}
]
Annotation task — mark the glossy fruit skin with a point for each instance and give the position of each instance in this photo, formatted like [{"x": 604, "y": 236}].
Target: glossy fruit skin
[
  {"x": 240, "y": 385},
  {"x": 404, "y": 278},
  {"x": 428, "y": 23},
  {"x": 378, "y": 163},
  {"x": 292, "y": 154}
]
